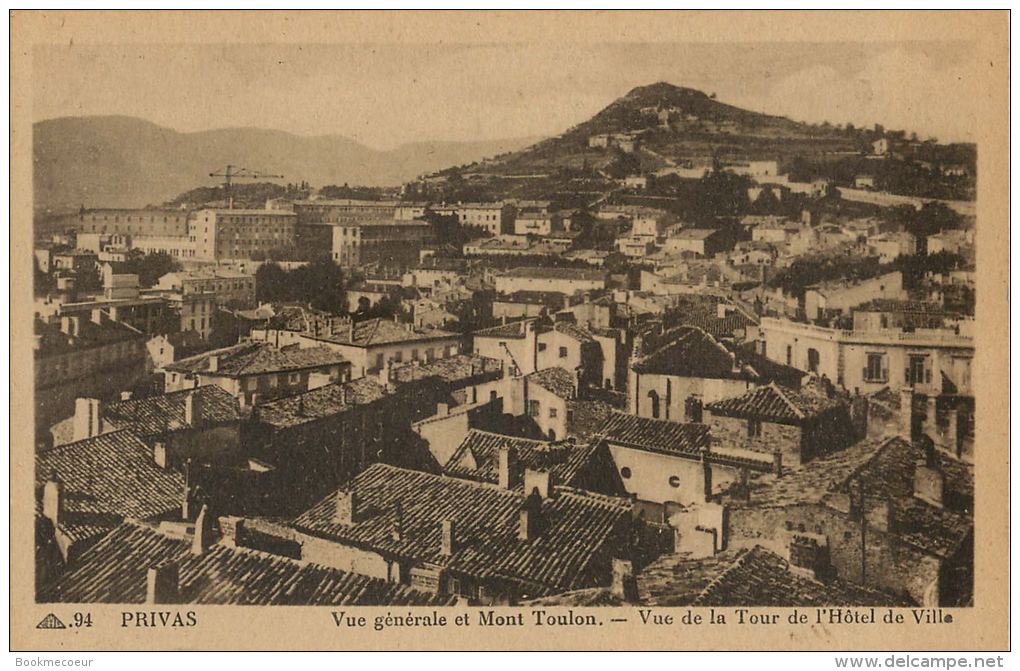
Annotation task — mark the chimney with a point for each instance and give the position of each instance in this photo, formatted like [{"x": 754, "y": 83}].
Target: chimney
[
  {"x": 952, "y": 441},
  {"x": 538, "y": 481},
  {"x": 398, "y": 522},
  {"x": 706, "y": 475},
  {"x": 162, "y": 584},
  {"x": 70, "y": 325},
  {"x": 126, "y": 395},
  {"x": 97, "y": 316},
  {"x": 348, "y": 509},
  {"x": 87, "y": 421},
  {"x": 721, "y": 310},
  {"x": 880, "y": 515},
  {"x": 624, "y": 582},
  {"x": 530, "y": 514},
  {"x": 53, "y": 499},
  {"x": 929, "y": 481},
  {"x": 159, "y": 454},
  {"x": 448, "y": 541},
  {"x": 190, "y": 416},
  {"x": 385, "y": 374},
  {"x": 907, "y": 414},
  {"x": 931, "y": 424},
  {"x": 203, "y": 532},
  {"x": 777, "y": 463},
  {"x": 232, "y": 529},
  {"x": 214, "y": 363},
  {"x": 508, "y": 469}
]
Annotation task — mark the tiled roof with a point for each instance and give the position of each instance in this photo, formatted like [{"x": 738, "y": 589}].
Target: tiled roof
[
  {"x": 477, "y": 458},
  {"x": 159, "y": 414},
  {"x": 106, "y": 478},
  {"x": 114, "y": 571},
  {"x": 813, "y": 481},
  {"x": 748, "y": 577},
  {"x": 655, "y": 435},
  {"x": 574, "y": 331},
  {"x": 510, "y": 330},
  {"x": 256, "y": 358},
  {"x": 576, "y": 526},
  {"x": 545, "y": 272},
  {"x": 772, "y": 403},
  {"x": 557, "y": 380},
  {"x": 327, "y": 400},
  {"x": 51, "y": 341},
  {"x": 454, "y": 369},
  {"x": 381, "y": 331},
  {"x": 691, "y": 352}
]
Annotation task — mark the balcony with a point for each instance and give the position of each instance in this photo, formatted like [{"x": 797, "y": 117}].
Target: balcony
[{"x": 919, "y": 338}]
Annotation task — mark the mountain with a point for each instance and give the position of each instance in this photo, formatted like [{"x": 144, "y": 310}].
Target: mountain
[
  {"x": 117, "y": 161},
  {"x": 677, "y": 124}
]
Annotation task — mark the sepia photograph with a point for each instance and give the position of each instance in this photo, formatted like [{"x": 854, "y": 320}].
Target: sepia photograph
[{"x": 546, "y": 335}]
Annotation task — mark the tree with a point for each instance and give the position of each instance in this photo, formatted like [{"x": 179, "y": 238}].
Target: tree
[{"x": 149, "y": 268}]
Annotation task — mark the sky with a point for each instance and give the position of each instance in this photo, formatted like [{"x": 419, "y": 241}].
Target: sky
[{"x": 387, "y": 95}]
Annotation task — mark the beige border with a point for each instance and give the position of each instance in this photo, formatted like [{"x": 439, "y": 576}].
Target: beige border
[{"x": 984, "y": 627}]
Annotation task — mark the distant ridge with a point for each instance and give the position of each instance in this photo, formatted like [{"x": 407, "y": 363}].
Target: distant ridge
[{"x": 121, "y": 161}]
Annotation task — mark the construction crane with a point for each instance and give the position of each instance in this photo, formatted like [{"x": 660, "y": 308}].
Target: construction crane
[{"x": 232, "y": 172}]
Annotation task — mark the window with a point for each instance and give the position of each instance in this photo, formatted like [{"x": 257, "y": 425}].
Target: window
[
  {"x": 753, "y": 428},
  {"x": 674, "y": 481},
  {"x": 553, "y": 413},
  {"x": 542, "y": 347},
  {"x": 563, "y": 352},
  {"x": 789, "y": 355},
  {"x": 274, "y": 381},
  {"x": 399, "y": 356},
  {"x": 414, "y": 355},
  {"x": 293, "y": 378},
  {"x": 654, "y": 396},
  {"x": 876, "y": 371},
  {"x": 252, "y": 383},
  {"x": 693, "y": 409},
  {"x": 625, "y": 472},
  {"x": 812, "y": 360},
  {"x": 917, "y": 370},
  {"x": 533, "y": 408}
]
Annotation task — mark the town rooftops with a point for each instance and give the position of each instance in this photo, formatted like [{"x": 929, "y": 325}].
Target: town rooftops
[
  {"x": 574, "y": 331},
  {"x": 374, "y": 332},
  {"x": 694, "y": 233},
  {"x": 250, "y": 213},
  {"x": 116, "y": 569},
  {"x": 402, "y": 512},
  {"x": 462, "y": 368},
  {"x": 775, "y": 404},
  {"x": 557, "y": 380},
  {"x": 690, "y": 352},
  {"x": 76, "y": 332},
  {"x": 742, "y": 577},
  {"x": 328, "y": 400},
  {"x": 512, "y": 330},
  {"x": 106, "y": 479},
  {"x": 548, "y": 273},
  {"x": 162, "y": 414},
  {"x": 655, "y": 435},
  {"x": 477, "y": 458},
  {"x": 256, "y": 358}
]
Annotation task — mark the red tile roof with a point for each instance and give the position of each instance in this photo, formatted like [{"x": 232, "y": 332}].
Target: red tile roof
[
  {"x": 655, "y": 435},
  {"x": 556, "y": 380},
  {"x": 114, "y": 571},
  {"x": 477, "y": 458},
  {"x": 106, "y": 479},
  {"x": 772, "y": 403},
  {"x": 578, "y": 526},
  {"x": 159, "y": 414},
  {"x": 256, "y": 358}
]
